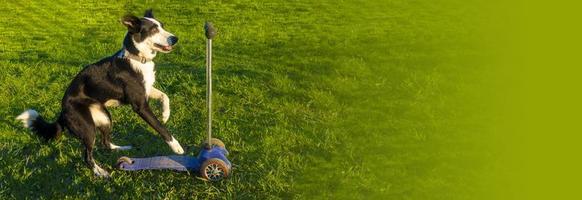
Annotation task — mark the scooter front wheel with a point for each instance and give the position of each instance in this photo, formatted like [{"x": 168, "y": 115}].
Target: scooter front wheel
[
  {"x": 215, "y": 142},
  {"x": 214, "y": 169}
]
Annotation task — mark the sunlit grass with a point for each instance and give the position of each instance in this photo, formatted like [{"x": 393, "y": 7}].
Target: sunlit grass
[{"x": 321, "y": 99}]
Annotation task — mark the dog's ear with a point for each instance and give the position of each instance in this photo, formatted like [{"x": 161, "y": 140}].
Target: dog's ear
[
  {"x": 149, "y": 13},
  {"x": 132, "y": 23}
]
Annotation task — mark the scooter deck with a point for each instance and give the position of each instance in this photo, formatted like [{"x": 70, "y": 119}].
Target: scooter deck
[{"x": 178, "y": 163}]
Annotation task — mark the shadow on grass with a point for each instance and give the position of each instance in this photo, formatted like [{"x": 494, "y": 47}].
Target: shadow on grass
[
  {"x": 56, "y": 170},
  {"x": 40, "y": 163}
]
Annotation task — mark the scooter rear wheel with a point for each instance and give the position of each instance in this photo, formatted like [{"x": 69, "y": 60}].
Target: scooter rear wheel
[{"x": 122, "y": 160}]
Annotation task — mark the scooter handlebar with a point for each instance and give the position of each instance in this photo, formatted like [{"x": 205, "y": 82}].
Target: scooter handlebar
[{"x": 209, "y": 30}]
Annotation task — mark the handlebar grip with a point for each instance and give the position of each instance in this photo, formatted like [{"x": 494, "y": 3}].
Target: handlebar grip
[{"x": 209, "y": 30}]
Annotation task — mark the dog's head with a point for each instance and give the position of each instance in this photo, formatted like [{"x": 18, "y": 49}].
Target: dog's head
[{"x": 148, "y": 35}]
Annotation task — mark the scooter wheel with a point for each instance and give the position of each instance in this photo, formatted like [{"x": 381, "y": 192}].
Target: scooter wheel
[
  {"x": 215, "y": 142},
  {"x": 122, "y": 160},
  {"x": 214, "y": 169}
]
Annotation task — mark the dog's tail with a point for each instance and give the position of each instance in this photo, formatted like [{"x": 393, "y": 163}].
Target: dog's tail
[{"x": 31, "y": 119}]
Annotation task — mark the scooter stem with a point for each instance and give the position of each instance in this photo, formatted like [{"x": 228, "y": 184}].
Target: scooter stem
[{"x": 210, "y": 32}]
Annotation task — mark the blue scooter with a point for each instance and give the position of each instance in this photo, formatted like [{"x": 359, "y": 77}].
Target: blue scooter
[{"x": 211, "y": 162}]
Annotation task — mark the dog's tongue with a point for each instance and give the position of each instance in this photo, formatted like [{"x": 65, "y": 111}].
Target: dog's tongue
[{"x": 167, "y": 48}]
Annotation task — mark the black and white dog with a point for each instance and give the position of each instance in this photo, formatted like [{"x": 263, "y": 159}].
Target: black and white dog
[{"x": 124, "y": 78}]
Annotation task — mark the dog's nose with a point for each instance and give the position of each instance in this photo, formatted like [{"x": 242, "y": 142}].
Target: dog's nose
[{"x": 172, "y": 40}]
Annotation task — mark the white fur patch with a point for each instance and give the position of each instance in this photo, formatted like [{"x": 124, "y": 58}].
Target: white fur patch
[
  {"x": 100, "y": 118},
  {"x": 98, "y": 171},
  {"x": 113, "y": 146},
  {"x": 112, "y": 103},
  {"x": 163, "y": 98},
  {"x": 27, "y": 118},
  {"x": 145, "y": 48},
  {"x": 175, "y": 145},
  {"x": 166, "y": 108},
  {"x": 162, "y": 36},
  {"x": 147, "y": 71},
  {"x": 153, "y": 20}
]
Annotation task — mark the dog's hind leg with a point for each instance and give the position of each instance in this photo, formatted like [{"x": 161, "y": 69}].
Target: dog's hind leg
[
  {"x": 106, "y": 139},
  {"x": 78, "y": 120},
  {"x": 102, "y": 119},
  {"x": 88, "y": 156}
]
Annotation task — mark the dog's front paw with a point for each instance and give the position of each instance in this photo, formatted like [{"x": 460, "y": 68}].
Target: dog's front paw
[
  {"x": 99, "y": 172},
  {"x": 175, "y": 145}
]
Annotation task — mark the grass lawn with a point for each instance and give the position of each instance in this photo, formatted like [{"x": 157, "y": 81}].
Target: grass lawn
[{"x": 314, "y": 99}]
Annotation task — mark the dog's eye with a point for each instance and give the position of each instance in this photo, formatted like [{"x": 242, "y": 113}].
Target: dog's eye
[{"x": 154, "y": 30}]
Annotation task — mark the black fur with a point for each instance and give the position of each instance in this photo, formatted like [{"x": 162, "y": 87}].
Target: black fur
[
  {"x": 47, "y": 131},
  {"x": 149, "y": 13},
  {"x": 138, "y": 29},
  {"x": 128, "y": 44},
  {"x": 110, "y": 78}
]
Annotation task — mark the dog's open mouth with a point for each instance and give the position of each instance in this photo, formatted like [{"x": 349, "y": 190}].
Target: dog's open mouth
[{"x": 163, "y": 48}]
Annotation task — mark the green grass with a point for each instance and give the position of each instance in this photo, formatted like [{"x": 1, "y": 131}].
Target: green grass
[{"x": 314, "y": 99}]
